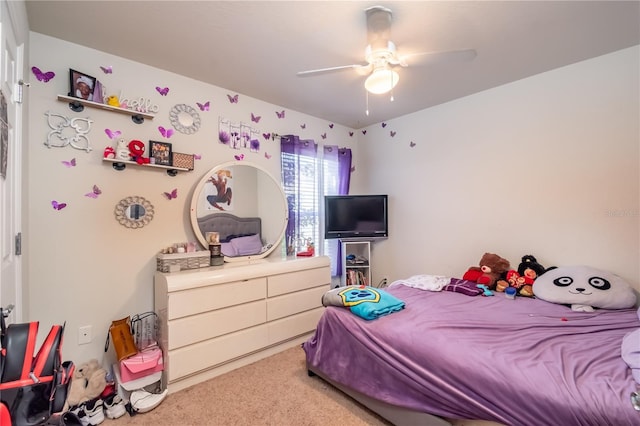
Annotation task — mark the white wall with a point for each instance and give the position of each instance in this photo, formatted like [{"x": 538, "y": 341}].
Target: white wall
[
  {"x": 546, "y": 166},
  {"x": 81, "y": 266}
]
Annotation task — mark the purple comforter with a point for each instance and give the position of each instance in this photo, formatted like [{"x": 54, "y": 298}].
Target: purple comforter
[{"x": 517, "y": 362}]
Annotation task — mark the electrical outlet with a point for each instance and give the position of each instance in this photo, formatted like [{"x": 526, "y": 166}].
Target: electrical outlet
[{"x": 84, "y": 335}]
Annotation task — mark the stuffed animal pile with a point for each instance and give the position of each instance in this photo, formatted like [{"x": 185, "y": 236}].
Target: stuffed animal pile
[{"x": 581, "y": 287}]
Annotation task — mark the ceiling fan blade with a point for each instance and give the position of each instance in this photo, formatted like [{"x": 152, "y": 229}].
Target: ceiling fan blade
[
  {"x": 448, "y": 56},
  {"x": 359, "y": 68}
]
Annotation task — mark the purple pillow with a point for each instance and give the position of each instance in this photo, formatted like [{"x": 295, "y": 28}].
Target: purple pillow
[
  {"x": 228, "y": 249},
  {"x": 463, "y": 286},
  {"x": 245, "y": 246}
]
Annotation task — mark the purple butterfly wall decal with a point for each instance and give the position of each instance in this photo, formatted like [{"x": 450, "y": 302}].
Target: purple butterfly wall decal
[
  {"x": 94, "y": 192},
  {"x": 324, "y": 135},
  {"x": 392, "y": 133},
  {"x": 331, "y": 126},
  {"x": 70, "y": 163},
  {"x": 239, "y": 157},
  {"x": 364, "y": 132},
  {"x": 351, "y": 134},
  {"x": 255, "y": 119},
  {"x": 197, "y": 157},
  {"x": 280, "y": 114},
  {"x": 167, "y": 133},
  {"x": 412, "y": 144},
  {"x": 162, "y": 90},
  {"x": 204, "y": 106},
  {"x": 267, "y": 155},
  {"x": 267, "y": 136},
  {"x": 384, "y": 125},
  {"x": 171, "y": 195},
  {"x": 303, "y": 126},
  {"x": 58, "y": 206},
  {"x": 233, "y": 99},
  {"x": 112, "y": 133},
  {"x": 43, "y": 76},
  {"x": 107, "y": 70},
  {"x": 353, "y": 169}
]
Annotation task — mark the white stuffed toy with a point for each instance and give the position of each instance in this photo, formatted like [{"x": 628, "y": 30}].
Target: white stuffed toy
[
  {"x": 584, "y": 288},
  {"x": 122, "y": 150}
]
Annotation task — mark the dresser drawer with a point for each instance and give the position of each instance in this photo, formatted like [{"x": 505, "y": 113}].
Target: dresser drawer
[
  {"x": 203, "y": 299},
  {"x": 293, "y": 326},
  {"x": 196, "y": 328},
  {"x": 299, "y": 280},
  {"x": 293, "y": 303},
  {"x": 204, "y": 355}
]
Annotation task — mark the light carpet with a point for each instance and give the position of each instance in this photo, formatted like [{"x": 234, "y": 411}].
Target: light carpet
[{"x": 273, "y": 391}]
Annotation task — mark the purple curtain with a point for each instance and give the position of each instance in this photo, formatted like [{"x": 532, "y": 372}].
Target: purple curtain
[
  {"x": 291, "y": 144},
  {"x": 343, "y": 157}
]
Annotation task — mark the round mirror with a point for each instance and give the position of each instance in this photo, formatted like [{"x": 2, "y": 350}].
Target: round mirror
[
  {"x": 241, "y": 205},
  {"x": 184, "y": 119},
  {"x": 134, "y": 212}
]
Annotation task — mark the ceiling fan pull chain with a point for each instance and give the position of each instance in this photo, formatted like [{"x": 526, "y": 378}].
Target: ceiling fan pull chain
[
  {"x": 367, "y": 101},
  {"x": 391, "y": 76}
]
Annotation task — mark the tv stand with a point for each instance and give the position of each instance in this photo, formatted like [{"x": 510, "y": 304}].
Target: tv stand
[{"x": 356, "y": 263}]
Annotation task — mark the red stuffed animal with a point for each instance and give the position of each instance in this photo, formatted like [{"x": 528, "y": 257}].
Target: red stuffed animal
[
  {"x": 136, "y": 148},
  {"x": 491, "y": 268}
]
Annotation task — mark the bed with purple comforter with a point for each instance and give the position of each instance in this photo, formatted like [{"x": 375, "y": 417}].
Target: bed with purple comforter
[{"x": 516, "y": 362}]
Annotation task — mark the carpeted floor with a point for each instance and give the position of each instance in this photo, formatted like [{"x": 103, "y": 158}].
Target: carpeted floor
[{"x": 272, "y": 391}]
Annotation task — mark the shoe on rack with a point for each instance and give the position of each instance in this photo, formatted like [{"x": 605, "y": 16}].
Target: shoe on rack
[
  {"x": 90, "y": 413},
  {"x": 114, "y": 406},
  {"x": 143, "y": 401}
]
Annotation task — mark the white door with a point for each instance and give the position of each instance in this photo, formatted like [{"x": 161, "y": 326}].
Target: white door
[{"x": 11, "y": 66}]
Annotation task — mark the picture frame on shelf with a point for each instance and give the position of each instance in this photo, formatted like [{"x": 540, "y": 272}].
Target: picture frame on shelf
[
  {"x": 81, "y": 85},
  {"x": 161, "y": 153}
]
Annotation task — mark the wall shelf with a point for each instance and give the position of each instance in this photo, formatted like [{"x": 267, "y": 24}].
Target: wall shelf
[
  {"x": 118, "y": 164},
  {"x": 78, "y": 105}
]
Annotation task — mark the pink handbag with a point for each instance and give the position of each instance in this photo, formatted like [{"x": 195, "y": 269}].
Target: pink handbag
[{"x": 142, "y": 364}]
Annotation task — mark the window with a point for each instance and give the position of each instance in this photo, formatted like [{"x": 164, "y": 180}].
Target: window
[{"x": 307, "y": 176}]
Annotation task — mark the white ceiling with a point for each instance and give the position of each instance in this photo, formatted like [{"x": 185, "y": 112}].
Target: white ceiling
[{"x": 255, "y": 48}]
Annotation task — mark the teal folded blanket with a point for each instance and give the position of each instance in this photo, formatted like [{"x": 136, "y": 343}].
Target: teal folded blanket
[{"x": 366, "y": 302}]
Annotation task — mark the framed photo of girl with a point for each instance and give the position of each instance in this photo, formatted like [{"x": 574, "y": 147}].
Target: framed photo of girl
[
  {"x": 81, "y": 85},
  {"x": 160, "y": 152}
]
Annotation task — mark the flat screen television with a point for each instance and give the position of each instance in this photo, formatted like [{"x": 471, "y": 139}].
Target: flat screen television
[{"x": 355, "y": 216}]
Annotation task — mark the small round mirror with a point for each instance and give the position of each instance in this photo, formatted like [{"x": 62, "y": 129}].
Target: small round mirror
[
  {"x": 134, "y": 212},
  {"x": 184, "y": 119},
  {"x": 244, "y": 206}
]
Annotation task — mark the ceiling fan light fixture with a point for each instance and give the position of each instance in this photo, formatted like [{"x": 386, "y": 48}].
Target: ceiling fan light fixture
[{"x": 381, "y": 80}]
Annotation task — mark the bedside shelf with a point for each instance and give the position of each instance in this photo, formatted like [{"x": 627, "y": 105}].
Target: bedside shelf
[
  {"x": 78, "y": 105},
  {"x": 357, "y": 270},
  {"x": 122, "y": 164}
]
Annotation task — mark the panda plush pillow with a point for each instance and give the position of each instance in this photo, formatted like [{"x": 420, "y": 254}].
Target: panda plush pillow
[{"x": 584, "y": 288}]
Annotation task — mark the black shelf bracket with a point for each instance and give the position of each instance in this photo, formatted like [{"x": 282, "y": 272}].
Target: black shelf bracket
[{"x": 76, "y": 106}]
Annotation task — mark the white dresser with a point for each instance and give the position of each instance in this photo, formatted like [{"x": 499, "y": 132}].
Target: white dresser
[{"x": 216, "y": 319}]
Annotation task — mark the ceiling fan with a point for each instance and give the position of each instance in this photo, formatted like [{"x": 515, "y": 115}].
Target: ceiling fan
[{"x": 382, "y": 57}]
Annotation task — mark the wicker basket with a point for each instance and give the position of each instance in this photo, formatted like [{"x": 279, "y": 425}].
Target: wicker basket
[
  {"x": 181, "y": 160},
  {"x": 182, "y": 261}
]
